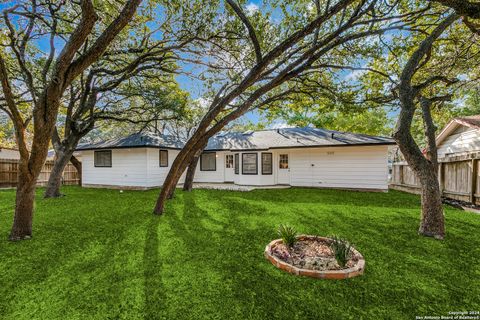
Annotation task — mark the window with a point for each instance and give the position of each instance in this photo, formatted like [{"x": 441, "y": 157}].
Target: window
[
  {"x": 208, "y": 161},
  {"x": 102, "y": 158},
  {"x": 283, "y": 163},
  {"x": 249, "y": 163},
  {"x": 237, "y": 163},
  {"x": 267, "y": 163},
  {"x": 229, "y": 161},
  {"x": 163, "y": 158}
]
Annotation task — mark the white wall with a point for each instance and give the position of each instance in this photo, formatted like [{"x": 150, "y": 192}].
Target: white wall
[
  {"x": 340, "y": 167},
  {"x": 212, "y": 176},
  {"x": 155, "y": 174},
  {"x": 129, "y": 168},
  {"x": 258, "y": 179},
  {"x": 462, "y": 140},
  {"x": 337, "y": 167}
]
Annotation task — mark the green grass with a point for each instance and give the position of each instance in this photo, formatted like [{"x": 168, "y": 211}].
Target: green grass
[{"x": 101, "y": 254}]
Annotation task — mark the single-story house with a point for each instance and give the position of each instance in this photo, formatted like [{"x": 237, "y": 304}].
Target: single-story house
[
  {"x": 308, "y": 157},
  {"x": 461, "y": 136}
]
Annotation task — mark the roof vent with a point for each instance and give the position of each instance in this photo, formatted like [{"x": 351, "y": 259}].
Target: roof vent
[
  {"x": 248, "y": 132},
  {"x": 333, "y": 134}
]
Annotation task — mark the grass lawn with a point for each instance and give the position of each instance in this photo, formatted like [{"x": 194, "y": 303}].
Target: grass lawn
[{"x": 101, "y": 254}]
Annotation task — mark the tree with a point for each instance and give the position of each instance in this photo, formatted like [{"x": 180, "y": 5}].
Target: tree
[
  {"x": 424, "y": 166},
  {"x": 424, "y": 68},
  {"x": 59, "y": 69},
  {"x": 134, "y": 81},
  {"x": 306, "y": 43},
  {"x": 114, "y": 101}
]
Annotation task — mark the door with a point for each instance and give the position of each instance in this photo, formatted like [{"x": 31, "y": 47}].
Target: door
[
  {"x": 283, "y": 168},
  {"x": 229, "y": 168}
]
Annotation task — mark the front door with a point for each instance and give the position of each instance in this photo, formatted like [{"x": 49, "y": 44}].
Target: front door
[
  {"x": 229, "y": 167},
  {"x": 283, "y": 171}
]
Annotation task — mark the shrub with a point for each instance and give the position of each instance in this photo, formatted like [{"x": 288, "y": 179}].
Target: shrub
[
  {"x": 341, "y": 249},
  {"x": 288, "y": 234}
]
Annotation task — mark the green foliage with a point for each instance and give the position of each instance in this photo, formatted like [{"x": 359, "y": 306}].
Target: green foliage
[
  {"x": 288, "y": 234},
  {"x": 341, "y": 249}
]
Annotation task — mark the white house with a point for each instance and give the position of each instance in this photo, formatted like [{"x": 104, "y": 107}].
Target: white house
[
  {"x": 296, "y": 156},
  {"x": 460, "y": 136}
]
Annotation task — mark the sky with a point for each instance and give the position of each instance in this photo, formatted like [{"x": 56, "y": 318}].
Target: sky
[{"x": 194, "y": 86}]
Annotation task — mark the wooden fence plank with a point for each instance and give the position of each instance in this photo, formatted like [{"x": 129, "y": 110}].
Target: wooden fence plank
[
  {"x": 9, "y": 174},
  {"x": 458, "y": 178}
]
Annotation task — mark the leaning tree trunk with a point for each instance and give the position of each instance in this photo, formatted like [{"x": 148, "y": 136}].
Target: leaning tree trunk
[
  {"x": 432, "y": 222},
  {"x": 188, "y": 185},
  {"x": 179, "y": 165},
  {"x": 24, "y": 205},
  {"x": 425, "y": 167},
  {"x": 78, "y": 165},
  {"x": 55, "y": 180}
]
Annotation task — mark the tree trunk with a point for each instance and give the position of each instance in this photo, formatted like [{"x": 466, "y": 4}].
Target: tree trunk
[
  {"x": 24, "y": 204},
  {"x": 55, "y": 180},
  {"x": 179, "y": 165},
  {"x": 78, "y": 165},
  {"x": 432, "y": 222},
  {"x": 188, "y": 185}
]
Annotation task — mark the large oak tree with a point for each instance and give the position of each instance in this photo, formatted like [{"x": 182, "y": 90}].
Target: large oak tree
[
  {"x": 429, "y": 69},
  {"x": 265, "y": 61},
  {"x": 30, "y": 97}
]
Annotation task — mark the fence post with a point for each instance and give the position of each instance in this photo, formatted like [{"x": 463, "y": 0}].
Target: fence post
[
  {"x": 401, "y": 173},
  {"x": 440, "y": 177},
  {"x": 473, "y": 185}
]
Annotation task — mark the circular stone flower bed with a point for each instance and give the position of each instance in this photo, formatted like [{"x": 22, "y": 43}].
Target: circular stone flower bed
[{"x": 312, "y": 256}]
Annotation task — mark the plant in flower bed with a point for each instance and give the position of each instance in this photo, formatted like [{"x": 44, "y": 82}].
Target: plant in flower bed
[
  {"x": 288, "y": 234},
  {"x": 314, "y": 253},
  {"x": 341, "y": 249}
]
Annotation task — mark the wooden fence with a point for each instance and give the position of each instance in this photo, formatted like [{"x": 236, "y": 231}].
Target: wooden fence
[
  {"x": 9, "y": 173},
  {"x": 458, "y": 178}
]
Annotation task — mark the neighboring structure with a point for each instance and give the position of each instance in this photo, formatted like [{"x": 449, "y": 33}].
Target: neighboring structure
[
  {"x": 295, "y": 156},
  {"x": 9, "y": 153},
  {"x": 460, "y": 136},
  {"x": 51, "y": 155},
  {"x": 458, "y": 152}
]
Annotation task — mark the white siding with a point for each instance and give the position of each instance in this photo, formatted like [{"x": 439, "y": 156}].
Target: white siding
[
  {"x": 252, "y": 179},
  {"x": 155, "y": 174},
  {"x": 212, "y": 176},
  {"x": 335, "y": 167},
  {"x": 462, "y": 140},
  {"x": 342, "y": 167},
  {"x": 129, "y": 168}
]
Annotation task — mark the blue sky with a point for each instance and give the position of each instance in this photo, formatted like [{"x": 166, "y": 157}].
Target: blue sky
[{"x": 192, "y": 85}]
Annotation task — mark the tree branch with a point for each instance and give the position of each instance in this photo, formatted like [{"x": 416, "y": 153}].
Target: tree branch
[{"x": 251, "y": 31}]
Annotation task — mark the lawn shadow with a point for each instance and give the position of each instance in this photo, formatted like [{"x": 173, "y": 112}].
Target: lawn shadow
[{"x": 152, "y": 273}]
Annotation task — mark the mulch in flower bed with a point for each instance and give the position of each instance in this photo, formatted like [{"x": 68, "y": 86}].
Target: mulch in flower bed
[{"x": 313, "y": 254}]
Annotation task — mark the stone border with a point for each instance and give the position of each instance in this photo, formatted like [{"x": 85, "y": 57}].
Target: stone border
[{"x": 329, "y": 274}]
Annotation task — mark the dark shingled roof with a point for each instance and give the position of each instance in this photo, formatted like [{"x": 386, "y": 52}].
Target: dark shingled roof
[
  {"x": 136, "y": 140},
  {"x": 250, "y": 140}
]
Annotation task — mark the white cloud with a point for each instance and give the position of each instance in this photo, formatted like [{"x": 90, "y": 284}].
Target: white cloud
[
  {"x": 203, "y": 103},
  {"x": 355, "y": 75},
  {"x": 251, "y": 8},
  {"x": 279, "y": 124}
]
